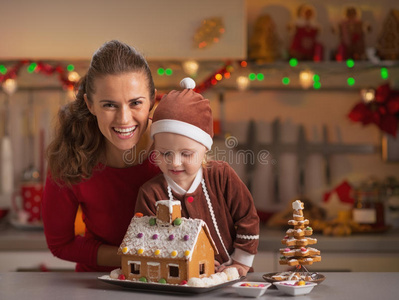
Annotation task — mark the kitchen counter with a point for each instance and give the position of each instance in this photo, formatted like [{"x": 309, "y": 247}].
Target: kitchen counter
[
  {"x": 43, "y": 286},
  {"x": 26, "y": 250},
  {"x": 12, "y": 239}
]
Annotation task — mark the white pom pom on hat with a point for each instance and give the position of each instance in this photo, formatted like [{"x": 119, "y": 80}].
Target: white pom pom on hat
[
  {"x": 187, "y": 83},
  {"x": 186, "y": 113}
]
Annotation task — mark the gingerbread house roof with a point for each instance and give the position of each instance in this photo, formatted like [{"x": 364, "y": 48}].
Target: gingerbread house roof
[{"x": 146, "y": 238}]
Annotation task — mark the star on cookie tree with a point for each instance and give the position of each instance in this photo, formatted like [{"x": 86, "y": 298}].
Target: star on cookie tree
[{"x": 297, "y": 239}]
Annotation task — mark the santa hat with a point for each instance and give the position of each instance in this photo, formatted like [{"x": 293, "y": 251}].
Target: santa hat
[{"x": 186, "y": 113}]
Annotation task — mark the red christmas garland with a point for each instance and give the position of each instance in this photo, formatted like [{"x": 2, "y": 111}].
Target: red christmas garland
[
  {"x": 48, "y": 69},
  {"x": 383, "y": 111},
  {"x": 41, "y": 67}
]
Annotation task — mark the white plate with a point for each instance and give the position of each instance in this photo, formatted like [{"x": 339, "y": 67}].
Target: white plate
[
  {"x": 288, "y": 287},
  {"x": 159, "y": 287}
]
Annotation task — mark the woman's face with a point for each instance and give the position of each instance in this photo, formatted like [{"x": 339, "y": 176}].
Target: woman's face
[{"x": 121, "y": 104}]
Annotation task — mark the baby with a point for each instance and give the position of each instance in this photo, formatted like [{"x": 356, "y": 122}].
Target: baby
[{"x": 182, "y": 130}]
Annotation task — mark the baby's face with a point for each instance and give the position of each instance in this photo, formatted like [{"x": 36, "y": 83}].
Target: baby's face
[{"x": 179, "y": 157}]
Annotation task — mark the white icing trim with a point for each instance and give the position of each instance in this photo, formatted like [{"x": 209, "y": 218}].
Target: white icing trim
[
  {"x": 243, "y": 257},
  {"x": 247, "y": 237},
  {"x": 174, "y": 265},
  {"x": 137, "y": 262},
  {"x": 182, "y": 128},
  {"x": 169, "y": 203},
  {"x": 297, "y": 205},
  {"x": 195, "y": 240},
  {"x": 215, "y": 224},
  {"x": 154, "y": 264}
]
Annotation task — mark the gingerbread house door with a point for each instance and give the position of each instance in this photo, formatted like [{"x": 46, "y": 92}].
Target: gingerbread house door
[{"x": 154, "y": 271}]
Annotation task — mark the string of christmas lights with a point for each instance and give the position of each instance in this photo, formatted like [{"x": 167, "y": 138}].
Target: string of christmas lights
[
  {"x": 69, "y": 78},
  {"x": 66, "y": 76}
]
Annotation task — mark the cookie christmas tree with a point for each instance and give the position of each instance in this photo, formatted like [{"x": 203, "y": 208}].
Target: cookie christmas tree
[{"x": 297, "y": 240}]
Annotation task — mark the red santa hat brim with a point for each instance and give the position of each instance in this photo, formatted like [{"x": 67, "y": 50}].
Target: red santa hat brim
[{"x": 182, "y": 128}]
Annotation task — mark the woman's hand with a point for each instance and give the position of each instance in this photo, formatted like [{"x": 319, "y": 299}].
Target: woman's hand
[{"x": 107, "y": 256}]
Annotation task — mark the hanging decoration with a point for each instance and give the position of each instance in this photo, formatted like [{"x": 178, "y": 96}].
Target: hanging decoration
[
  {"x": 306, "y": 78},
  {"x": 9, "y": 86},
  {"x": 190, "y": 67},
  {"x": 209, "y": 32},
  {"x": 242, "y": 83},
  {"x": 382, "y": 111},
  {"x": 44, "y": 68}
]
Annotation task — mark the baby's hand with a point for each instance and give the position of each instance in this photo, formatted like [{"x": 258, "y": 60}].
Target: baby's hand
[
  {"x": 242, "y": 269},
  {"x": 217, "y": 266}
]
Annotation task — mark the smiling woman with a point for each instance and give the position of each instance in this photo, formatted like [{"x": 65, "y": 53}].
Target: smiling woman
[
  {"x": 121, "y": 105},
  {"x": 87, "y": 159}
]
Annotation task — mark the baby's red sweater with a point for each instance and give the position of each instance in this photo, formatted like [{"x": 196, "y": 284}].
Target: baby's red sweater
[{"x": 107, "y": 199}]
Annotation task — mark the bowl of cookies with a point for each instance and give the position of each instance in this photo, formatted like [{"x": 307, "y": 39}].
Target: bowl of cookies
[{"x": 294, "y": 288}]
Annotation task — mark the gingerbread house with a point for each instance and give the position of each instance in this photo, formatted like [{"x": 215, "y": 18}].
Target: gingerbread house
[{"x": 167, "y": 248}]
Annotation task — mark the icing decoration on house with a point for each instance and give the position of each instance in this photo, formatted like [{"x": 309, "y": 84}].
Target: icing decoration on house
[{"x": 169, "y": 247}]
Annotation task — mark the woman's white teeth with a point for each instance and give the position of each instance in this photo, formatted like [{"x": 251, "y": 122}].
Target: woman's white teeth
[{"x": 125, "y": 131}]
